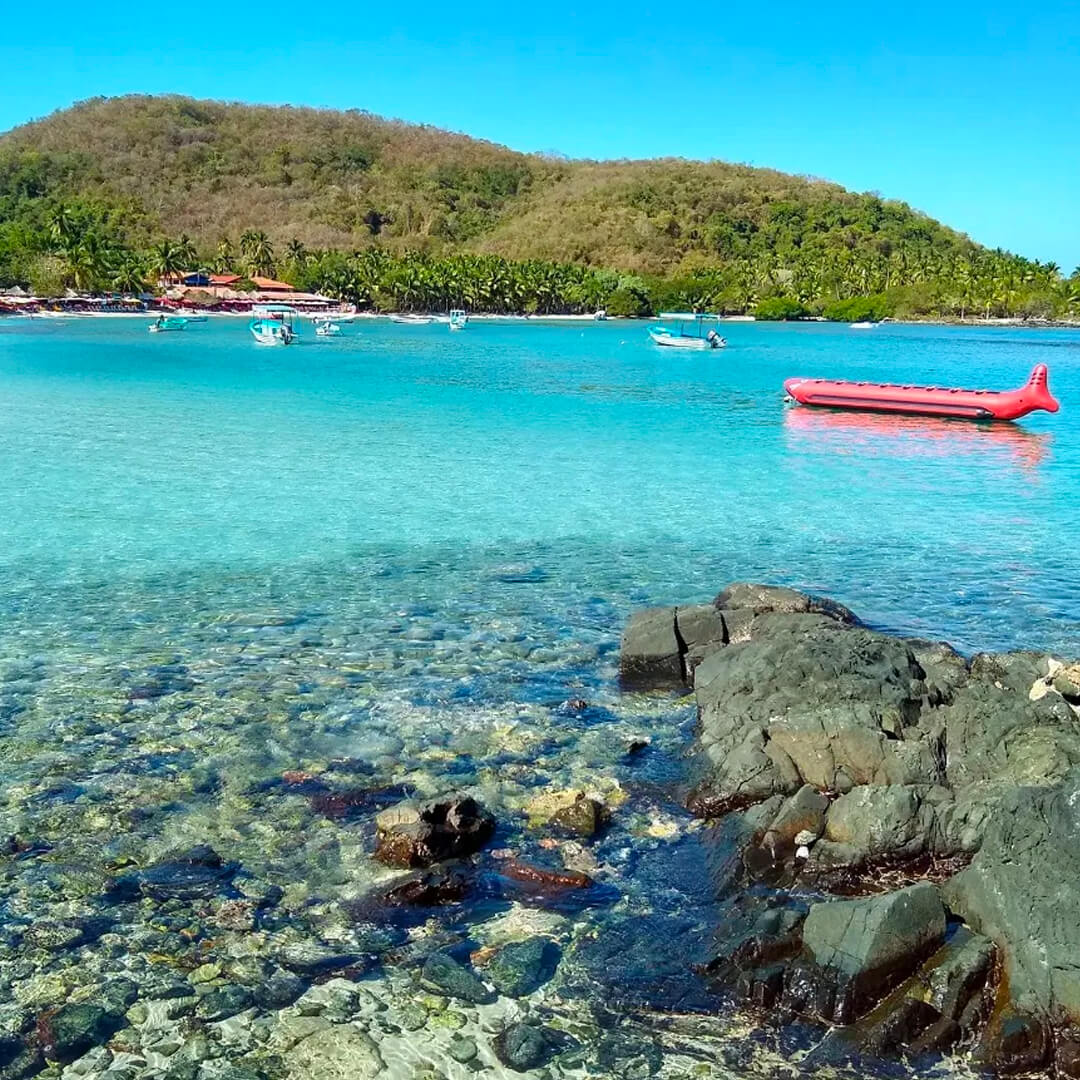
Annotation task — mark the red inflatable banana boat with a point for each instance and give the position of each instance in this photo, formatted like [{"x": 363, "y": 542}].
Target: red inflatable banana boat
[{"x": 927, "y": 400}]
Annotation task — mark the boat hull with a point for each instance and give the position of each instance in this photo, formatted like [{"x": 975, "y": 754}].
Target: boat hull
[{"x": 927, "y": 400}]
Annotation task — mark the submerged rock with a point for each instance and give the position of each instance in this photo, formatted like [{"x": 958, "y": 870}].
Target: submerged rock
[
  {"x": 194, "y": 873},
  {"x": 442, "y": 972},
  {"x": 584, "y": 817},
  {"x": 522, "y": 967},
  {"x": 343, "y": 1052},
  {"x": 522, "y": 1047},
  {"x": 71, "y": 1030}
]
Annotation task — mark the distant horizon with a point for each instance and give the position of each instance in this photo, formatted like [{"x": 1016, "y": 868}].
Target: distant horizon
[{"x": 541, "y": 153}]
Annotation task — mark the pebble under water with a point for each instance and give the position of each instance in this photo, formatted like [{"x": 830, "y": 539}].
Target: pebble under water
[{"x": 250, "y": 597}]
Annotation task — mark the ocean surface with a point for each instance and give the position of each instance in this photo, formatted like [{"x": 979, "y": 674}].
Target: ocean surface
[{"x": 412, "y": 552}]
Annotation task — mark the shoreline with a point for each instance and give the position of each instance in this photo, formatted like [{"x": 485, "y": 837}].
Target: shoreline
[{"x": 488, "y": 317}]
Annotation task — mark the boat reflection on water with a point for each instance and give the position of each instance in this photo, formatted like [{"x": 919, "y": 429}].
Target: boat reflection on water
[{"x": 876, "y": 434}]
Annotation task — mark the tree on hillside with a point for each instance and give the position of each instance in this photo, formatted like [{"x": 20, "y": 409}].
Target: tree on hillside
[
  {"x": 224, "y": 257},
  {"x": 167, "y": 260},
  {"x": 258, "y": 253}
]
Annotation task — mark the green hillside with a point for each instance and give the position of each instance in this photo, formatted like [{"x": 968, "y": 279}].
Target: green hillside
[{"x": 114, "y": 191}]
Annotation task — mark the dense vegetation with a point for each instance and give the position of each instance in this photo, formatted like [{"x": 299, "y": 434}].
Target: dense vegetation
[{"x": 113, "y": 194}]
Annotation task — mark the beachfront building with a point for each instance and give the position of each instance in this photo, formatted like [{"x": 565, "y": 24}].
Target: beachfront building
[{"x": 235, "y": 292}]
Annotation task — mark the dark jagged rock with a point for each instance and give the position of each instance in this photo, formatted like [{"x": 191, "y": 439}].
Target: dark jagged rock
[
  {"x": 651, "y": 655},
  {"x": 71, "y": 1030},
  {"x": 442, "y": 972},
  {"x": 901, "y": 756},
  {"x": 803, "y": 812},
  {"x": 414, "y": 836},
  {"x": 522, "y": 1047},
  {"x": 876, "y": 821},
  {"x": 1015, "y": 1042},
  {"x": 809, "y": 701}
]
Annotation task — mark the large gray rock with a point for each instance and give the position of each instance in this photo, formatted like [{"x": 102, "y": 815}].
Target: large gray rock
[
  {"x": 882, "y": 821},
  {"x": 809, "y": 700},
  {"x": 1023, "y": 891},
  {"x": 865, "y": 947}
]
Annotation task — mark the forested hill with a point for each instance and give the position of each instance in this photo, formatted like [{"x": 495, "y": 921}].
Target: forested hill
[{"x": 136, "y": 171}]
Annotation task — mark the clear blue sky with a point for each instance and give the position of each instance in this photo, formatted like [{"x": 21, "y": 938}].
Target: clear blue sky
[{"x": 969, "y": 111}]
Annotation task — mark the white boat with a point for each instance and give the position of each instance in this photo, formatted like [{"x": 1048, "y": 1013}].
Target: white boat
[
  {"x": 326, "y": 328},
  {"x": 600, "y": 314},
  {"x": 862, "y": 326},
  {"x": 458, "y": 319},
  {"x": 412, "y": 320},
  {"x": 698, "y": 339},
  {"x": 272, "y": 324}
]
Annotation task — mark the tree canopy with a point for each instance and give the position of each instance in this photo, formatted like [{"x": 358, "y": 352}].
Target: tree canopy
[{"x": 116, "y": 193}]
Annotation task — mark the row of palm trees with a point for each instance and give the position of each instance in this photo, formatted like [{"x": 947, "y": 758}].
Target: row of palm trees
[{"x": 908, "y": 278}]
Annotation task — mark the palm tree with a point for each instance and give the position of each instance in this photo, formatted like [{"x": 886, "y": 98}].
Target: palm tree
[
  {"x": 187, "y": 252},
  {"x": 295, "y": 252},
  {"x": 167, "y": 260},
  {"x": 258, "y": 252},
  {"x": 64, "y": 228},
  {"x": 129, "y": 274},
  {"x": 224, "y": 256}
]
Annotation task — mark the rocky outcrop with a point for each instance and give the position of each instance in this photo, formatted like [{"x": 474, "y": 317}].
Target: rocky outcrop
[
  {"x": 1022, "y": 891},
  {"x": 848, "y": 749}
]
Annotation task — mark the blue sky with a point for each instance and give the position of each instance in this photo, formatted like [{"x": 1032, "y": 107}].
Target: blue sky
[{"x": 968, "y": 111}]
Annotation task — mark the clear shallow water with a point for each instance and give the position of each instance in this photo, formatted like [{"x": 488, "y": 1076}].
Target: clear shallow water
[
  {"x": 129, "y": 455},
  {"x": 392, "y": 558}
]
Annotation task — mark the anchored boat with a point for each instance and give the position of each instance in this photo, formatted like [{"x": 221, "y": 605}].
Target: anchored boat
[
  {"x": 272, "y": 324},
  {"x": 927, "y": 400},
  {"x": 458, "y": 319},
  {"x": 697, "y": 338},
  {"x": 166, "y": 323}
]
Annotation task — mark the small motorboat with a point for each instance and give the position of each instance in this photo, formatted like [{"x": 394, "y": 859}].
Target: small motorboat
[
  {"x": 326, "y": 328},
  {"x": 458, "y": 319},
  {"x": 861, "y": 326},
  {"x": 412, "y": 320},
  {"x": 699, "y": 339},
  {"x": 166, "y": 323},
  {"x": 272, "y": 324},
  {"x": 927, "y": 400}
]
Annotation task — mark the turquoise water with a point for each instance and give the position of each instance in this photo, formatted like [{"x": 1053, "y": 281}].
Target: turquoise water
[
  {"x": 643, "y": 474},
  {"x": 404, "y": 557}
]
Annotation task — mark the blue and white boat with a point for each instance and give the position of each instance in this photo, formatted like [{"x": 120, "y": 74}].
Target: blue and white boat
[
  {"x": 696, "y": 338},
  {"x": 458, "y": 319},
  {"x": 166, "y": 323},
  {"x": 272, "y": 324}
]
